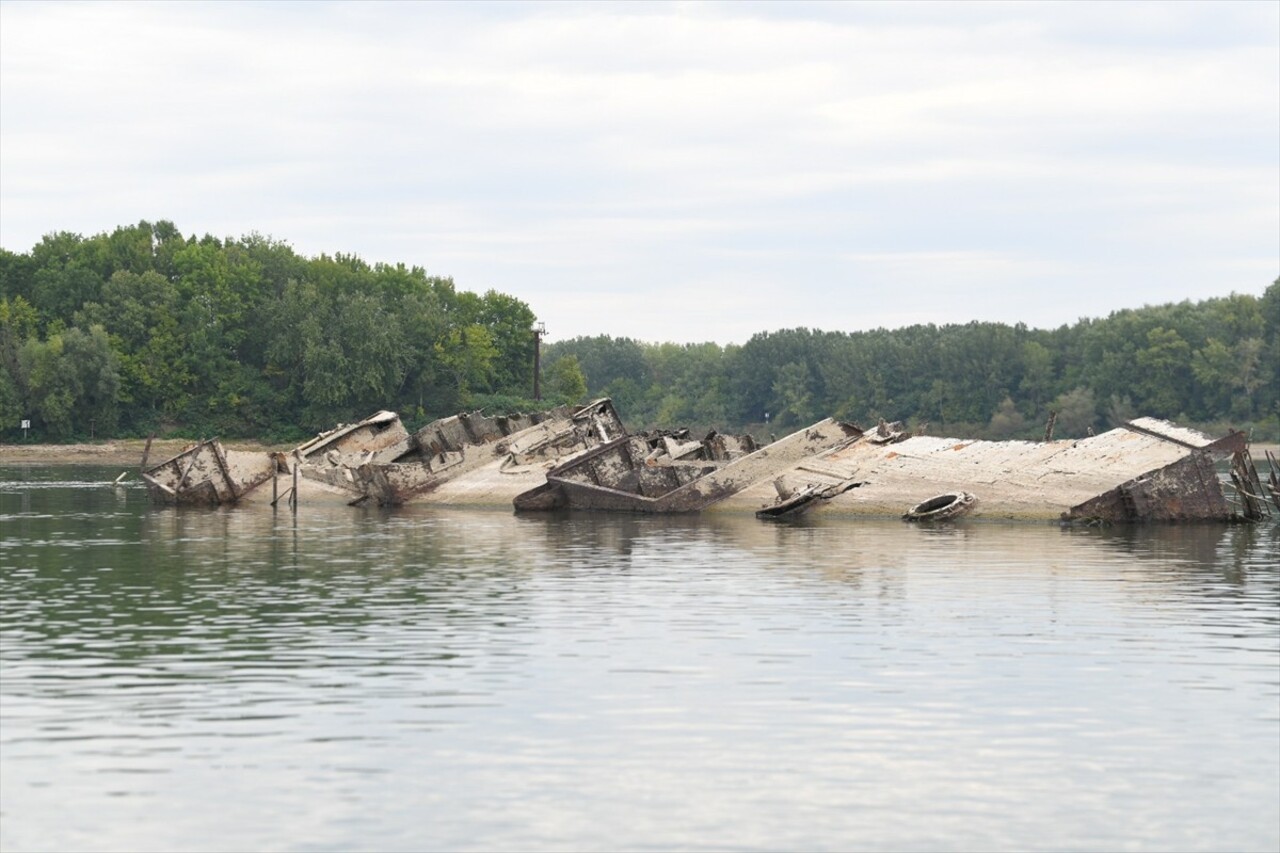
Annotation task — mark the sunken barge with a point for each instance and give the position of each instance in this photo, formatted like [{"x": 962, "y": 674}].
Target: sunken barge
[{"x": 583, "y": 458}]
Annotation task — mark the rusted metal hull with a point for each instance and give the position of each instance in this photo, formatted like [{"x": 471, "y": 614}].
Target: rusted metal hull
[
  {"x": 381, "y": 433},
  {"x": 1186, "y": 490},
  {"x": 455, "y": 447},
  {"x": 634, "y": 475},
  {"x": 207, "y": 474},
  {"x": 1146, "y": 471},
  {"x": 377, "y": 460},
  {"x": 583, "y": 458}
]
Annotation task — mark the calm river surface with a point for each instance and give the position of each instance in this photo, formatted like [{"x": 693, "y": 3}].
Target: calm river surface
[{"x": 432, "y": 679}]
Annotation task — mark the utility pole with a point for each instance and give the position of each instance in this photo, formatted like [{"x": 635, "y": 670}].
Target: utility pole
[{"x": 539, "y": 329}]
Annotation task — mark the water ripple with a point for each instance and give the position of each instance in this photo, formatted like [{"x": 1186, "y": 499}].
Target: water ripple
[{"x": 463, "y": 680}]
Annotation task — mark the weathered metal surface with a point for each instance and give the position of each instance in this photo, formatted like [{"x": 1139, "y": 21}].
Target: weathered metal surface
[
  {"x": 464, "y": 444},
  {"x": 1148, "y": 470},
  {"x": 378, "y": 459},
  {"x": 1251, "y": 494},
  {"x": 207, "y": 474},
  {"x": 946, "y": 507},
  {"x": 791, "y": 504},
  {"x": 1072, "y": 479},
  {"x": 379, "y": 431},
  {"x": 1232, "y": 442},
  {"x": 638, "y": 474},
  {"x": 1185, "y": 490}
]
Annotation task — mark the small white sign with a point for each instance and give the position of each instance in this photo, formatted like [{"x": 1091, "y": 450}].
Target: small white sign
[{"x": 26, "y": 425}]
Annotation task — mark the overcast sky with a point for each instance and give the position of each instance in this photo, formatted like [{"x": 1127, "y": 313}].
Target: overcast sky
[{"x": 677, "y": 171}]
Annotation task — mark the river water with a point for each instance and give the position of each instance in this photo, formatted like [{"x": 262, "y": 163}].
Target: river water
[{"x": 430, "y": 679}]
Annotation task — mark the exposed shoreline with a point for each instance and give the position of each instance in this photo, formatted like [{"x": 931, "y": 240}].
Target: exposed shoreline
[{"x": 128, "y": 451}]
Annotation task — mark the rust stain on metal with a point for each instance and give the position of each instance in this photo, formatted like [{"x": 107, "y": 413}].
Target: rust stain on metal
[
  {"x": 670, "y": 473},
  {"x": 585, "y": 458},
  {"x": 377, "y": 459}
]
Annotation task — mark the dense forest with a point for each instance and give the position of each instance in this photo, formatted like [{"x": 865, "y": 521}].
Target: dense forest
[
  {"x": 144, "y": 330},
  {"x": 1213, "y": 364}
]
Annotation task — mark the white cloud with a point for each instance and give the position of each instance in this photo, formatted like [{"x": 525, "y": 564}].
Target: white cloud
[{"x": 581, "y": 155}]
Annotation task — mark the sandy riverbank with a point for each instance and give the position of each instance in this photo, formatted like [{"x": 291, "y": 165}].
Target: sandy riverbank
[
  {"x": 124, "y": 452},
  {"x": 128, "y": 452}
]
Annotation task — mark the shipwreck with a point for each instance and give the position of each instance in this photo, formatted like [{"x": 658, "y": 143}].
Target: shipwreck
[
  {"x": 1146, "y": 470},
  {"x": 583, "y": 458},
  {"x": 478, "y": 458}
]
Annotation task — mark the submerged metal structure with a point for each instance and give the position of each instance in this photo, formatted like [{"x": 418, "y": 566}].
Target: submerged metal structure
[
  {"x": 378, "y": 460},
  {"x": 1146, "y": 470},
  {"x": 583, "y": 458}
]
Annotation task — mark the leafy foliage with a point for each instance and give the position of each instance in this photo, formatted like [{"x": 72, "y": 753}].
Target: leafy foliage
[
  {"x": 1214, "y": 361},
  {"x": 565, "y": 380},
  {"x": 144, "y": 329}
]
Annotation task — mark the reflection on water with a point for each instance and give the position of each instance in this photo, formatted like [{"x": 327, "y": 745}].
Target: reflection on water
[{"x": 435, "y": 679}]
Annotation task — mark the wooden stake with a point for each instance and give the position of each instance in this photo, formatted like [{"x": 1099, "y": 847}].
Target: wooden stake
[{"x": 146, "y": 453}]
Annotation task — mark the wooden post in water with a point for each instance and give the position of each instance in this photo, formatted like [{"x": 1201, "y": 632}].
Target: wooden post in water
[
  {"x": 146, "y": 453},
  {"x": 293, "y": 496}
]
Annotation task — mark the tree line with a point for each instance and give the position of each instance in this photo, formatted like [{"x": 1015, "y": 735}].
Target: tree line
[
  {"x": 1214, "y": 363},
  {"x": 145, "y": 330}
]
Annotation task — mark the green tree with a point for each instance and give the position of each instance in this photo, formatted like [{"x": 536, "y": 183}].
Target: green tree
[
  {"x": 18, "y": 323},
  {"x": 1077, "y": 413},
  {"x": 1268, "y": 399},
  {"x": 467, "y": 355},
  {"x": 95, "y": 369},
  {"x": 423, "y": 326},
  {"x": 792, "y": 397},
  {"x": 1037, "y": 373},
  {"x": 12, "y": 410},
  {"x": 611, "y": 365},
  {"x": 1120, "y": 410},
  {"x": 15, "y": 275},
  {"x": 509, "y": 323},
  {"x": 566, "y": 381},
  {"x": 141, "y": 312},
  {"x": 72, "y": 382},
  {"x": 1165, "y": 363},
  {"x": 1007, "y": 422},
  {"x": 50, "y": 386},
  {"x": 63, "y": 279}
]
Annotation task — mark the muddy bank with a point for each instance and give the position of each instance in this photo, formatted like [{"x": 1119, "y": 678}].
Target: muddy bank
[{"x": 124, "y": 452}]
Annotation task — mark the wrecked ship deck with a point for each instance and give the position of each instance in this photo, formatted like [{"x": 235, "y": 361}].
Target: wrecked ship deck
[
  {"x": 1148, "y": 470},
  {"x": 583, "y": 458},
  {"x": 466, "y": 458}
]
